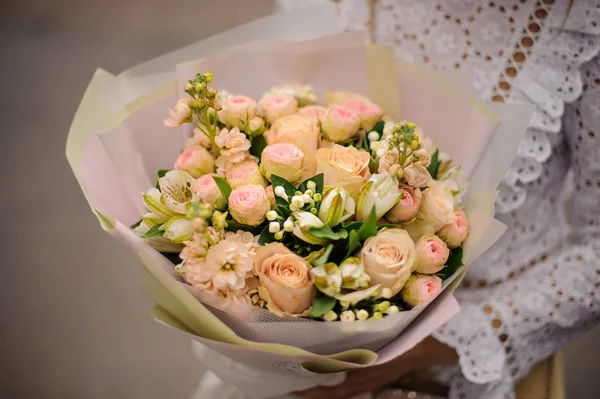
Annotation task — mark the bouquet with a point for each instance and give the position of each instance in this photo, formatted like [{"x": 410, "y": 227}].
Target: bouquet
[
  {"x": 316, "y": 219},
  {"x": 329, "y": 213}
]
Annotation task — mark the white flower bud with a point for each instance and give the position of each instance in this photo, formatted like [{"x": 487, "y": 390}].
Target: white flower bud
[
  {"x": 345, "y": 304},
  {"x": 373, "y": 136},
  {"x": 376, "y": 145},
  {"x": 297, "y": 201},
  {"x": 377, "y": 315},
  {"x": 348, "y": 315},
  {"x": 392, "y": 310},
  {"x": 383, "y": 306},
  {"x": 306, "y": 198},
  {"x": 362, "y": 314},
  {"x": 279, "y": 235},
  {"x": 380, "y": 152},
  {"x": 309, "y": 192},
  {"x": 274, "y": 227},
  {"x": 288, "y": 225},
  {"x": 280, "y": 192},
  {"x": 330, "y": 316},
  {"x": 386, "y": 293},
  {"x": 311, "y": 185},
  {"x": 271, "y": 215}
]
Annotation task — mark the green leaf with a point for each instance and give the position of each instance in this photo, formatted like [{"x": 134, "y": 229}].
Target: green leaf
[
  {"x": 352, "y": 225},
  {"x": 353, "y": 243},
  {"x": 373, "y": 165},
  {"x": 318, "y": 180},
  {"x": 266, "y": 237},
  {"x": 455, "y": 261},
  {"x": 162, "y": 173},
  {"x": 224, "y": 187},
  {"x": 434, "y": 166},
  {"x": 388, "y": 226},
  {"x": 369, "y": 227},
  {"x": 136, "y": 224},
  {"x": 321, "y": 305},
  {"x": 378, "y": 127},
  {"x": 232, "y": 225},
  {"x": 326, "y": 232},
  {"x": 154, "y": 231},
  {"x": 173, "y": 257},
  {"x": 321, "y": 260},
  {"x": 258, "y": 145},
  {"x": 289, "y": 188}
]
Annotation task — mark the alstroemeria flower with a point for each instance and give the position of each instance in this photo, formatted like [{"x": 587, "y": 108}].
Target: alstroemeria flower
[
  {"x": 337, "y": 205},
  {"x": 380, "y": 191}
]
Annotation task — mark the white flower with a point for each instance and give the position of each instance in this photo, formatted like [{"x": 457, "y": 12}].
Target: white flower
[
  {"x": 227, "y": 265},
  {"x": 347, "y": 315},
  {"x": 179, "y": 113},
  {"x": 337, "y": 205},
  {"x": 178, "y": 229},
  {"x": 380, "y": 191},
  {"x": 177, "y": 189},
  {"x": 304, "y": 221},
  {"x": 327, "y": 278},
  {"x": 353, "y": 274},
  {"x": 234, "y": 147}
]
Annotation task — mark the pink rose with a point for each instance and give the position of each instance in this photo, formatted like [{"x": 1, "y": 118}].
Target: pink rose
[
  {"x": 249, "y": 204},
  {"x": 244, "y": 173},
  {"x": 285, "y": 280},
  {"x": 314, "y": 112},
  {"x": 345, "y": 167},
  {"x": 236, "y": 111},
  {"x": 276, "y": 106},
  {"x": 339, "y": 124},
  {"x": 208, "y": 191},
  {"x": 271, "y": 196},
  {"x": 421, "y": 288},
  {"x": 455, "y": 233},
  {"x": 368, "y": 113},
  {"x": 433, "y": 254},
  {"x": 196, "y": 161},
  {"x": 284, "y": 160},
  {"x": 408, "y": 206}
]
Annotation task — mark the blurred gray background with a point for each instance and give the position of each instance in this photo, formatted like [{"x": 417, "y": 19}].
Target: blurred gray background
[{"x": 74, "y": 324}]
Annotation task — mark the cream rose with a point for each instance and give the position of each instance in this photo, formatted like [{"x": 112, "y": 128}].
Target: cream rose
[
  {"x": 314, "y": 112},
  {"x": 301, "y": 131},
  {"x": 244, "y": 173},
  {"x": 420, "y": 289},
  {"x": 368, "y": 113},
  {"x": 339, "y": 124},
  {"x": 208, "y": 191},
  {"x": 286, "y": 283},
  {"x": 196, "y": 161},
  {"x": 276, "y": 106},
  {"x": 417, "y": 175},
  {"x": 437, "y": 205},
  {"x": 284, "y": 160},
  {"x": 249, "y": 204},
  {"x": 433, "y": 254},
  {"x": 345, "y": 167},
  {"x": 236, "y": 111},
  {"x": 389, "y": 258},
  {"x": 455, "y": 233},
  {"x": 408, "y": 206}
]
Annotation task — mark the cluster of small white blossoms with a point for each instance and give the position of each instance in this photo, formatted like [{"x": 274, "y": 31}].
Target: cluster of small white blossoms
[
  {"x": 377, "y": 311},
  {"x": 304, "y": 94},
  {"x": 307, "y": 200}
]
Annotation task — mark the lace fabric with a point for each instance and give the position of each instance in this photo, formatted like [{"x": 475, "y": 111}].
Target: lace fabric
[{"x": 539, "y": 283}]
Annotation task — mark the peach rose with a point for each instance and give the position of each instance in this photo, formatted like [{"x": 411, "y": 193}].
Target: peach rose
[
  {"x": 368, "y": 113},
  {"x": 285, "y": 280},
  {"x": 314, "y": 112},
  {"x": 196, "y": 161},
  {"x": 420, "y": 289},
  {"x": 389, "y": 258},
  {"x": 339, "y": 124},
  {"x": 237, "y": 110},
  {"x": 345, "y": 167},
  {"x": 276, "y": 106},
  {"x": 437, "y": 205},
  {"x": 455, "y": 233},
  {"x": 408, "y": 206},
  {"x": 208, "y": 191},
  {"x": 244, "y": 173},
  {"x": 301, "y": 131},
  {"x": 249, "y": 204},
  {"x": 433, "y": 254},
  {"x": 417, "y": 175},
  {"x": 284, "y": 160}
]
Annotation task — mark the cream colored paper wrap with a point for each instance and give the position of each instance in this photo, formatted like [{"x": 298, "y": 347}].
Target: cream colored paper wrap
[{"x": 115, "y": 154}]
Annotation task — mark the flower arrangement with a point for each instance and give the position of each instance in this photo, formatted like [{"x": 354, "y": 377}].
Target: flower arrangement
[{"x": 330, "y": 213}]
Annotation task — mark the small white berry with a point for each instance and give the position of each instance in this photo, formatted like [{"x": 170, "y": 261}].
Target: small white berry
[
  {"x": 288, "y": 225},
  {"x": 362, "y": 314},
  {"x": 330, "y": 316},
  {"x": 373, "y": 136},
  {"x": 271, "y": 215},
  {"x": 274, "y": 227},
  {"x": 386, "y": 293},
  {"x": 311, "y": 185},
  {"x": 392, "y": 309},
  {"x": 280, "y": 192},
  {"x": 348, "y": 315}
]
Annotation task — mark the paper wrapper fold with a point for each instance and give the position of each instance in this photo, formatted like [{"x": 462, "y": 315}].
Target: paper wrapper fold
[{"x": 115, "y": 153}]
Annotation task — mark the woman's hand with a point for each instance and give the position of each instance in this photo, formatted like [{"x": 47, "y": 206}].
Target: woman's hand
[{"x": 426, "y": 354}]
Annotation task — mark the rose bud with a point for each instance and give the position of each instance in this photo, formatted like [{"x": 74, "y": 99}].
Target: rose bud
[
  {"x": 276, "y": 106},
  {"x": 336, "y": 206},
  {"x": 339, "y": 124},
  {"x": 249, "y": 204},
  {"x": 408, "y": 206},
  {"x": 236, "y": 111},
  {"x": 433, "y": 254},
  {"x": 284, "y": 160},
  {"x": 454, "y": 234},
  {"x": 196, "y": 161},
  {"x": 368, "y": 113},
  {"x": 208, "y": 191},
  {"x": 244, "y": 173},
  {"x": 421, "y": 288}
]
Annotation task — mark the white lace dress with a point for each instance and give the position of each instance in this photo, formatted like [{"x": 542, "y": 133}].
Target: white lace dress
[{"x": 537, "y": 288}]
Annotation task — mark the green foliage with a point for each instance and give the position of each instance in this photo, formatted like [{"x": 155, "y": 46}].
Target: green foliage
[
  {"x": 232, "y": 225},
  {"x": 317, "y": 179},
  {"x": 455, "y": 261},
  {"x": 224, "y": 187},
  {"x": 434, "y": 166},
  {"x": 258, "y": 145},
  {"x": 326, "y": 232},
  {"x": 321, "y": 305},
  {"x": 173, "y": 257},
  {"x": 378, "y": 127},
  {"x": 266, "y": 236},
  {"x": 324, "y": 257},
  {"x": 136, "y": 224},
  {"x": 154, "y": 231}
]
